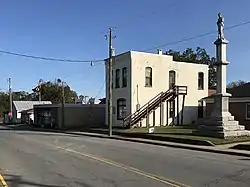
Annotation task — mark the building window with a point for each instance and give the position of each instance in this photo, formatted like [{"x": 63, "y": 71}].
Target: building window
[
  {"x": 148, "y": 77},
  {"x": 248, "y": 111},
  {"x": 201, "y": 81},
  {"x": 121, "y": 108},
  {"x": 117, "y": 78},
  {"x": 172, "y": 79},
  {"x": 124, "y": 76},
  {"x": 172, "y": 108}
]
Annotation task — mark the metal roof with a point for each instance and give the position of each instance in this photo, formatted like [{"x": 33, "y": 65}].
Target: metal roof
[{"x": 26, "y": 105}]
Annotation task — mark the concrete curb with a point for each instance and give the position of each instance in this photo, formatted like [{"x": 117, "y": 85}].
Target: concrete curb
[
  {"x": 241, "y": 147},
  {"x": 159, "y": 138},
  {"x": 166, "y": 144},
  {"x": 151, "y": 137}
]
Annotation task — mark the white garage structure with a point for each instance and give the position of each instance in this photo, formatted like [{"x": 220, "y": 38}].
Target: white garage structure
[{"x": 20, "y": 106}]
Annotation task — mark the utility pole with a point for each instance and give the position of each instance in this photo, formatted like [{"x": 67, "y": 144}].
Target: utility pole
[
  {"x": 10, "y": 99},
  {"x": 40, "y": 89},
  {"x": 63, "y": 103},
  {"x": 110, "y": 81},
  {"x": 40, "y": 94}
]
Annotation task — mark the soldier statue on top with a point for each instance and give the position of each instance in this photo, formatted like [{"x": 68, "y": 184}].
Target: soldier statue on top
[{"x": 220, "y": 24}]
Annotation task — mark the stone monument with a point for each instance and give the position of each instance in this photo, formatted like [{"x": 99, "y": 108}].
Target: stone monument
[{"x": 221, "y": 123}]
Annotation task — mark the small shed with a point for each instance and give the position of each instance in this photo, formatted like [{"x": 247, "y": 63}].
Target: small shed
[
  {"x": 20, "y": 107},
  {"x": 70, "y": 116}
]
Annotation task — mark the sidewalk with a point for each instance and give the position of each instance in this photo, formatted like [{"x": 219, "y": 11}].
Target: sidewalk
[{"x": 221, "y": 149}]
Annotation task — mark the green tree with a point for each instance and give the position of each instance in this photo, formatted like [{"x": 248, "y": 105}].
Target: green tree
[
  {"x": 198, "y": 56},
  {"x": 16, "y": 96},
  {"x": 4, "y": 103},
  {"x": 52, "y": 91},
  {"x": 236, "y": 84}
]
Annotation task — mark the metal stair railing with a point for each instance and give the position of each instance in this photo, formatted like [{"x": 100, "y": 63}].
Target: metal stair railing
[
  {"x": 148, "y": 107},
  {"x": 144, "y": 107}
]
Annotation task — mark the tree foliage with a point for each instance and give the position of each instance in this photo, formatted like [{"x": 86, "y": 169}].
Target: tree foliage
[
  {"x": 16, "y": 96},
  {"x": 236, "y": 84},
  {"x": 198, "y": 56},
  {"x": 50, "y": 91},
  {"x": 53, "y": 91},
  {"x": 4, "y": 103}
]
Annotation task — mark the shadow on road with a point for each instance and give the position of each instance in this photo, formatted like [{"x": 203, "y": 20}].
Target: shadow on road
[
  {"x": 102, "y": 132},
  {"x": 245, "y": 159},
  {"x": 38, "y": 133},
  {"x": 49, "y": 130},
  {"x": 16, "y": 181},
  {"x": 31, "y": 130}
]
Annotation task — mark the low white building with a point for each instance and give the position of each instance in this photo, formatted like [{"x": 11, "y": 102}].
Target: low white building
[
  {"x": 141, "y": 78},
  {"x": 20, "y": 106}
]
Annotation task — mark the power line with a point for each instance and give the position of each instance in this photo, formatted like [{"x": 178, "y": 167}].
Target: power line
[
  {"x": 70, "y": 60},
  {"x": 142, "y": 16},
  {"x": 100, "y": 89},
  {"x": 49, "y": 59},
  {"x": 197, "y": 36}
]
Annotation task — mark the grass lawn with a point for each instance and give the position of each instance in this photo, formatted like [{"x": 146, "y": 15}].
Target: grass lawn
[{"x": 185, "y": 132}]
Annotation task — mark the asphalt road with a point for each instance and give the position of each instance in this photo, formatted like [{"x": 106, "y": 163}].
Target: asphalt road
[{"x": 43, "y": 159}]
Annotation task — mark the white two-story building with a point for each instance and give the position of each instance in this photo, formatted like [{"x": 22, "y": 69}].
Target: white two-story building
[{"x": 141, "y": 78}]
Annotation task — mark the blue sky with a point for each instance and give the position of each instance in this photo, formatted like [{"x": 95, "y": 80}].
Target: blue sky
[{"x": 76, "y": 29}]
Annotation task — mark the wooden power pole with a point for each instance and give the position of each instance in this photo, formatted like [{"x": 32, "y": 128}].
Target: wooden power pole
[
  {"x": 110, "y": 80},
  {"x": 40, "y": 83},
  {"x": 10, "y": 99},
  {"x": 63, "y": 105}
]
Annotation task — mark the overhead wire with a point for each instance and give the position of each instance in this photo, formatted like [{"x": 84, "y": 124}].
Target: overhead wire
[
  {"x": 142, "y": 16},
  {"x": 99, "y": 92},
  {"x": 125, "y": 26},
  {"x": 195, "y": 37},
  {"x": 48, "y": 58},
  {"x": 69, "y": 60}
]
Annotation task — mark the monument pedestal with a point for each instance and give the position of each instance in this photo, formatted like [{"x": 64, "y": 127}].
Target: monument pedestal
[{"x": 221, "y": 123}]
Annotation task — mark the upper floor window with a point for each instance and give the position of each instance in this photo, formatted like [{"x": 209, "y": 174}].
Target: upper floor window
[
  {"x": 172, "y": 79},
  {"x": 201, "y": 81},
  {"x": 121, "y": 108},
  {"x": 117, "y": 78},
  {"x": 124, "y": 76},
  {"x": 148, "y": 77}
]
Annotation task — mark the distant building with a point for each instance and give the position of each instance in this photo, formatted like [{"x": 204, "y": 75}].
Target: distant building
[
  {"x": 102, "y": 101},
  {"x": 239, "y": 104},
  {"x": 85, "y": 100},
  {"x": 20, "y": 107},
  {"x": 70, "y": 117}
]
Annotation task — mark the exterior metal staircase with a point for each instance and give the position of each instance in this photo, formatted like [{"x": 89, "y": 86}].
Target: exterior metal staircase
[{"x": 153, "y": 104}]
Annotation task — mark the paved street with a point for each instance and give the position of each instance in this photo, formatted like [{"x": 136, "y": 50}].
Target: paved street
[{"x": 43, "y": 159}]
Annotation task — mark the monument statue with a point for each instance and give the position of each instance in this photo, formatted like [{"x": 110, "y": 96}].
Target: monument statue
[
  {"x": 220, "y": 24},
  {"x": 221, "y": 123}
]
